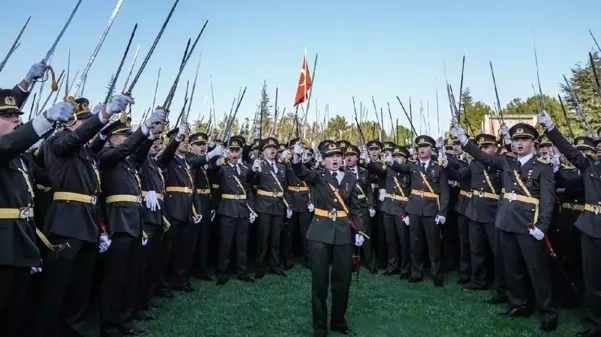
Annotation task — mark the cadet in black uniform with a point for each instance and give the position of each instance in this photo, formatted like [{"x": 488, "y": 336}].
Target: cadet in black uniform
[
  {"x": 589, "y": 223},
  {"x": 394, "y": 199},
  {"x": 235, "y": 212},
  {"x": 377, "y": 234},
  {"x": 484, "y": 190},
  {"x": 122, "y": 191},
  {"x": 202, "y": 184},
  {"x": 330, "y": 235},
  {"x": 523, "y": 217},
  {"x": 427, "y": 208},
  {"x": 73, "y": 218},
  {"x": 19, "y": 256},
  {"x": 272, "y": 204}
]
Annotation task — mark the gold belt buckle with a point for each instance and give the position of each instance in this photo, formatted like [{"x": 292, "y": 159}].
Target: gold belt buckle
[
  {"x": 93, "y": 200},
  {"x": 297, "y": 189},
  {"x": 596, "y": 209},
  {"x": 237, "y": 196},
  {"x": 186, "y": 189},
  {"x": 512, "y": 196},
  {"x": 140, "y": 199},
  {"x": 24, "y": 213},
  {"x": 275, "y": 194},
  {"x": 420, "y": 193},
  {"x": 332, "y": 214}
]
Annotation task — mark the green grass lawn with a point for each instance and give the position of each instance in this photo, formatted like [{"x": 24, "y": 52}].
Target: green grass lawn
[{"x": 380, "y": 306}]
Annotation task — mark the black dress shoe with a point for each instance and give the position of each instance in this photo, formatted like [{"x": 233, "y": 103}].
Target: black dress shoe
[
  {"x": 497, "y": 299},
  {"x": 345, "y": 331},
  {"x": 166, "y": 293},
  {"x": 289, "y": 266},
  {"x": 516, "y": 312},
  {"x": 259, "y": 275},
  {"x": 438, "y": 282},
  {"x": 143, "y": 316},
  {"x": 473, "y": 287},
  {"x": 373, "y": 270},
  {"x": 130, "y": 330},
  {"x": 278, "y": 272},
  {"x": 221, "y": 281},
  {"x": 185, "y": 288},
  {"x": 549, "y": 324},
  {"x": 404, "y": 276},
  {"x": 463, "y": 281},
  {"x": 415, "y": 279},
  {"x": 204, "y": 277},
  {"x": 246, "y": 278}
]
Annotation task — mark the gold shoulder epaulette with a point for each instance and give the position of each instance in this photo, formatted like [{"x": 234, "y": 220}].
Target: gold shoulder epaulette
[
  {"x": 568, "y": 166},
  {"x": 540, "y": 160},
  {"x": 510, "y": 154}
]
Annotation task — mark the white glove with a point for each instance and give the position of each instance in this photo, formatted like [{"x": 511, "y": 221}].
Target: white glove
[
  {"x": 458, "y": 132},
  {"x": 118, "y": 103},
  {"x": 288, "y": 213},
  {"x": 439, "y": 143},
  {"x": 256, "y": 165},
  {"x": 60, "y": 112},
  {"x": 36, "y": 72},
  {"x": 251, "y": 218},
  {"x": 372, "y": 212},
  {"x": 183, "y": 131},
  {"x": 298, "y": 153},
  {"x": 406, "y": 220},
  {"x": 285, "y": 153},
  {"x": 311, "y": 207},
  {"x": 216, "y": 152},
  {"x": 359, "y": 239},
  {"x": 197, "y": 219},
  {"x": 213, "y": 215},
  {"x": 382, "y": 194},
  {"x": 35, "y": 270},
  {"x": 389, "y": 158},
  {"x": 443, "y": 156},
  {"x": 157, "y": 116},
  {"x": 440, "y": 220},
  {"x": 144, "y": 241},
  {"x": 105, "y": 243},
  {"x": 544, "y": 119},
  {"x": 411, "y": 151},
  {"x": 152, "y": 202},
  {"x": 555, "y": 162},
  {"x": 365, "y": 157},
  {"x": 536, "y": 233},
  {"x": 98, "y": 108},
  {"x": 225, "y": 152}
]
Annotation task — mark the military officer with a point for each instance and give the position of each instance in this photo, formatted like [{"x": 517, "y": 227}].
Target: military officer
[
  {"x": 19, "y": 256},
  {"x": 73, "y": 218},
  {"x": 523, "y": 218},
  {"x": 235, "y": 212},
  {"x": 588, "y": 222},
  {"x": 393, "y": 196},
  {"x": 427, "y": 208},
  {"x": 337, "y": 217}
]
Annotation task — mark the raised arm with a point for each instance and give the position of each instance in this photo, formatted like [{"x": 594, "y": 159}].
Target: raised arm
[
  {"x": 495, "y": 162},
  {"x": 401, "y": 168},
  {"x": 308, "y": 176},
  {"x": 572, "y": 154},
  {"x": 547, "y": 198},
  {"x": 456, "y": 172},
  {"x": 377, "y": 168},
  {"x": 112, "y": 155},
  {"x": 165, "y": 157},
  {"x": 72, "y": 141},
  {"x": 17, "y": 142}
]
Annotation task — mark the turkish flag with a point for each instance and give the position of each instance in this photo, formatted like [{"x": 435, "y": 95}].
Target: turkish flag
[{"x": 304, "y": 84}]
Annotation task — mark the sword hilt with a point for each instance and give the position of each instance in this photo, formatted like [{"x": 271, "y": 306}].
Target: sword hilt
[{"x": 54, "y": 84}]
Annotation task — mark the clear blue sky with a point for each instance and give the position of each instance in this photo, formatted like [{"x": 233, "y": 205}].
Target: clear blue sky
[{"x": 381, "y": 48}]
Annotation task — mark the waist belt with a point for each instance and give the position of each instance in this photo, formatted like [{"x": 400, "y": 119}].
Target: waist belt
[
  {"x": 42, "y": 188},
  {"x": 203, "y": 191},
  {"x": 465, "y": 193},
  {"x": 270, "y": 194},
  {"x": 298, "y": 188},
  {"x": 159, "y": 195},
  {"x": 333, "y": 214},
  {"x": 178, "y": 189},
  {"x": 485, "y": 195},
  {"x": 215, "y": 186},
  {"x": 453, "y": 183},
  {"x": 592, "y": 208},
  {"x": 361, "y": 196},
  {"x": 233, "y": 196},
  {"x": 70, "y": 196},
  {"x": 424, "y": 194},
  {"x": 396, "y": 197},
  {"x": 124, "y": 198},
  {"x": 525, "y": 199},
  {"x": 22, "y": 213},
  {"x": 574, "y": 207}
]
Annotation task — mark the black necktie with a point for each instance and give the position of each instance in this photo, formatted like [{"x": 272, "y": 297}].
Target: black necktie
[
  {"x": 424, "y": 166},
  {"x": 335, "y": 176}
]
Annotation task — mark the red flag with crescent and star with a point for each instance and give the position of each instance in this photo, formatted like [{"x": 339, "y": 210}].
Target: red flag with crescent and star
[{"x": 304, "y": 84}]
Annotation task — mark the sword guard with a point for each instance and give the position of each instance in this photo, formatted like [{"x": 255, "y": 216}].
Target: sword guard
[{"x": 54, "y": 84}]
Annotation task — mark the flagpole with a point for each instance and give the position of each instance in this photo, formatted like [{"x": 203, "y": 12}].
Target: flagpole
[{"x": 312, "y": 82}]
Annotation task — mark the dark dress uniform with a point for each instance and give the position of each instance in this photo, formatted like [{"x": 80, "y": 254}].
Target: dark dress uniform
[
  {"x": 484, "y": 191},
  {"x": 429, "y": 197},
  {"x": 393, "y": 212},
  {"x": 18, "y": 251},
  {"x": 271, "y": 204},
  {"x": 123, "y": 197},
  {"x": 450, "y": 230},
  {"x": 463, "y": 234},
  {"x": 203, "y": 187},
  {"x": 528, "y": 200},
  {"x": 300, "y": 198},
  {"x": 331, "y": 241},
  {"x": 589, "y": 222},
  {"x": 72, "y": 218},
  {"x": 154, "y": 223},
  {"x": 234, "y": 211}
]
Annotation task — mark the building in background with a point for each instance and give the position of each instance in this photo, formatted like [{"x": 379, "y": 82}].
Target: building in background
[{"x": 492, "y": 124}]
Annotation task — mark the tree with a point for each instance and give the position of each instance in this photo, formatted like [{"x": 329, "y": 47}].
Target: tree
[
  {"x": 472, "y": 113},
  {"x": 531, "y": 106}
]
